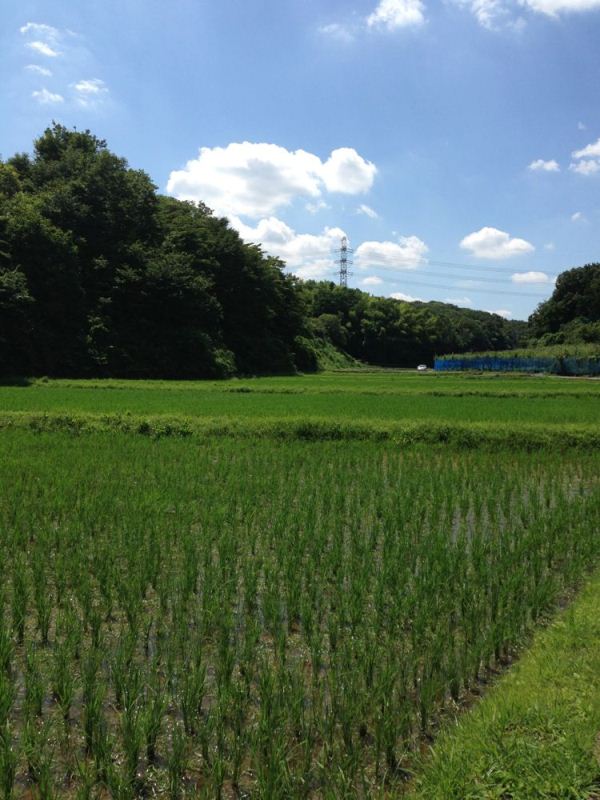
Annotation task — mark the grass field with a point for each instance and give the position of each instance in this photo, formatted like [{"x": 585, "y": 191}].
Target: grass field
[{"x": 258, "y": 616}]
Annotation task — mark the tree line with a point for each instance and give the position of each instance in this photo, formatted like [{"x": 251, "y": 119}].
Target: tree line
[{"x": 100, "y": 275}]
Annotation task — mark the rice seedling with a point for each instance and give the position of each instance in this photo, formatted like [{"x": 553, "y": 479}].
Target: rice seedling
[{"x": 269, "y": 617}]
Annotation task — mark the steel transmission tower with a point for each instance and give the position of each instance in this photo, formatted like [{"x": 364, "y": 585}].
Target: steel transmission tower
[{"x": 345, "y": 259}]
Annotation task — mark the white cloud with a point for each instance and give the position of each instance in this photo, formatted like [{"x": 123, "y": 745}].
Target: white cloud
[
  {"x": 394, "y": 14},
  {"x": 43, "y": 48},
  {"x": 45, "y": 97},
  {"x": 549, "y": 246},
  {"x": 367, "y": 211},
  {"x": 589, "y": 151},
  {"x": 347, "y": 172},
  {"x": 39, "y": 70},
  {"x": 93, "y": 86},
  {"x": 408, "y": 253},
  {"x": 459, "y": 301},
  {"x": 371, "y": 280},
  {"x": 502, "y": 312},
  {"x": 585, "y": 167},
  {"x": 578, "y": 216},
  {"x": 255, "y": 179},
  {"x": 589, "y": 159},
  {"x": 337, "y": 31},
  {"x": 308, "y": 255},
  {"x": 90, "y": 92},
  {"x": 492, "y": 243},
  {"x": 407, "y": 298},
  {"x": 39, "y": 29},
  {"x": 555, "y": 7},
  {"x": 495, "y": 14},
  {"x": 531, "y": 277},
  {"x": 488, "y": 13},
  {"x": 544, "y": 166}
]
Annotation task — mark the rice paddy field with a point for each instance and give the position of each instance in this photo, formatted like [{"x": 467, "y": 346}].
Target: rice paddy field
[{"x": 263, "y": 609}]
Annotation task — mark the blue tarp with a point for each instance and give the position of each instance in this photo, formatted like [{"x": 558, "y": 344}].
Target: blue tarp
[{"x": 554, "y": 365}]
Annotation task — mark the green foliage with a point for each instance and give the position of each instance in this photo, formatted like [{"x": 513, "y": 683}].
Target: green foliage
[
  {"x": 391, "y": 332},
  {"x": 575, "y": 301},
  {"x": 99, "y": 275}
]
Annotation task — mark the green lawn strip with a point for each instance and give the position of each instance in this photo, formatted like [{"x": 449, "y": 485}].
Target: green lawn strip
[
  {"x": 514, "y": 435},
  {"x": 535, "y": 735}
]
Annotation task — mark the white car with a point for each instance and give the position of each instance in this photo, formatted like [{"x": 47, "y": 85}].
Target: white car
[{"x": 422, "y": 368}]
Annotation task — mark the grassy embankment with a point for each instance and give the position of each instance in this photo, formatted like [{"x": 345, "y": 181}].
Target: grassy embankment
[{"x": 401, "y": 407}]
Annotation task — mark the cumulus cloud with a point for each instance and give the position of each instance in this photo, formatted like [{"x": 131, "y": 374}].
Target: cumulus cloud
[
  {"x": 46, "y": 97},
  {"x": 407, "y": 298},
  {"x": 37, "y": 70},
  {"x": 408, "y": 253},
  {"x": 255, "y": 179},
  {"x": 531, "y": 277},
  {"x": 347, "y": 172},
  {"x": 43, "y": 48},
  {"x": 578, "y": 216},
  {"x": 308, "y": 255},
  {"x": 394, "y": 14},
  {"x": 367, "y": 211},
  {"x": 371, "y": 280},
  {"x": 493, "y": 243},
  {"x": 539, "y": 165}
]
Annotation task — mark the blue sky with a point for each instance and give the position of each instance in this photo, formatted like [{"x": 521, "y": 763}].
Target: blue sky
[{"x": 456, "y": 143}]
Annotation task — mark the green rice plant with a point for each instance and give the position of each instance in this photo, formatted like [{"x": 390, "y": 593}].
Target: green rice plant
[
  {"x": 93, "y": 698},
  {"x": 35, "y": 691},
  {"x": 192, "y": 693},
  {"x": 7, "y": 698},
  {"x": 20, "y": 598},
  {"x": 341, "y": 598},
  {"x": 155, "y": 706},
  {"x": 8, "y": 765},
  {"x": 176, "y": 762},
  {"x": 132, "y": 735},
  {"x": 6, "y": 646},
  {"x": 63, "y": 679}
]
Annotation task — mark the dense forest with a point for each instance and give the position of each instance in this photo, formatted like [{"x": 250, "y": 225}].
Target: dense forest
[
  {"x": 101, "y": 275},
  {"x": 572, "y": 314}
]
